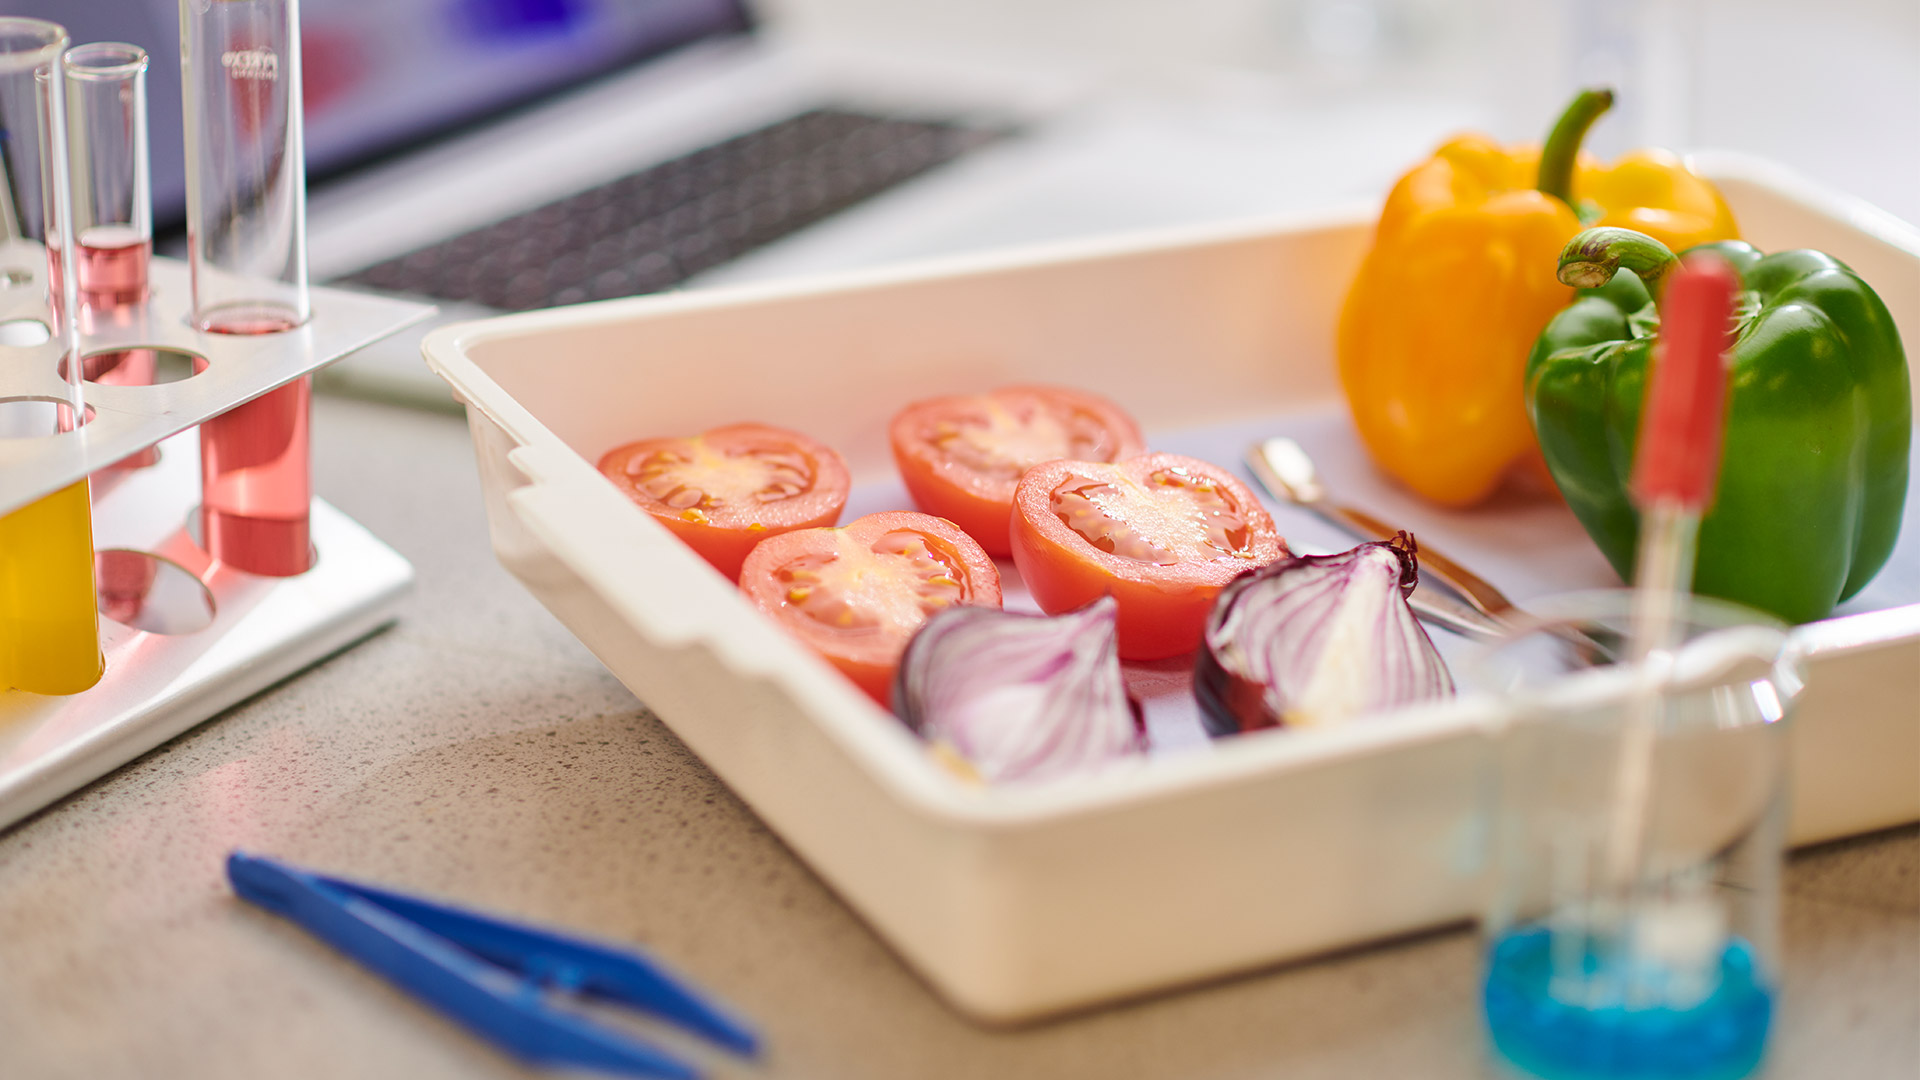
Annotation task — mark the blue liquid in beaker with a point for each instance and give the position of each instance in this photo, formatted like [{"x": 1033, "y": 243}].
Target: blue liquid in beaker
[{"x": 1720, "y": 1038}]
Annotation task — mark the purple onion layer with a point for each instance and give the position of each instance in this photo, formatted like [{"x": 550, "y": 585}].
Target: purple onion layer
[
  {"x": 1316, "y": 640},
  {"x": 1020, "y": 697}
]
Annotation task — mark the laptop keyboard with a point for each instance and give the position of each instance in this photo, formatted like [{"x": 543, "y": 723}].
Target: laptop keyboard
[{"x": 656, "y": 228}]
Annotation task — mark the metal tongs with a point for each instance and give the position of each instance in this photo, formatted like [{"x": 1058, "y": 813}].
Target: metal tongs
[
  {"x": 1482, "y": 612},
  {"x": 1285, "y": 470},
  {"x": 491, "y": 975}
]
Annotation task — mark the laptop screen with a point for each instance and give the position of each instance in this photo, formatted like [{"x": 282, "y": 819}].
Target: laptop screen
[{"x": 382, "y": 74}]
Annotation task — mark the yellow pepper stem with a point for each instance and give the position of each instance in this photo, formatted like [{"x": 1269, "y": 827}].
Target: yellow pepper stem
[{"x": 1562, "y": 149}]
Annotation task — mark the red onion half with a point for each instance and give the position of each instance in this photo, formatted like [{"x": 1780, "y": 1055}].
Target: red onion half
[
  {"x": 1318, "y": 639},
  {"x": 1020, "y": 697}
]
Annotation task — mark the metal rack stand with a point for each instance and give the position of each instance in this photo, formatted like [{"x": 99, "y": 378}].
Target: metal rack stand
[{"x": 234, "y": 633}]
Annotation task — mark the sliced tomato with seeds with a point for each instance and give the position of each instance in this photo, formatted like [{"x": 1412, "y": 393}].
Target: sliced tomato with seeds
[
  {"x": 725, "y": 490},
  {"x": 962, "y": 457},
  {"x": 858, "y": 593},
  {"x": 1161, "y": 533}
]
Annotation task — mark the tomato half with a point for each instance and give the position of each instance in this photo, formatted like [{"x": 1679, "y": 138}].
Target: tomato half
[
  {"x": 1162, "y": 533},
  {"x": 725, "y": 490},
  {"x": 961, "y": 457},
  {"x": 856, "y": 594}
]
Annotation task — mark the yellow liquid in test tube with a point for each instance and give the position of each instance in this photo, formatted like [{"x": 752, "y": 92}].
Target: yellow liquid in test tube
[{"x": 49, "y": 623}]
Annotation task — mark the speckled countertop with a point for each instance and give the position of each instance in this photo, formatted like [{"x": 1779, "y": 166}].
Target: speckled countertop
[{"x": 478, "y": 752}]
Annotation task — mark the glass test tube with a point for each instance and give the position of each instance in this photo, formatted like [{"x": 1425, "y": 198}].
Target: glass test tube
[
  {"x": 112, "y": 205},
  {"x": 49, "y": 628},
  {"x": 112, "y": 193},
  {"x": 246, "y": 230},
  {"x": 246, "y": 163}
]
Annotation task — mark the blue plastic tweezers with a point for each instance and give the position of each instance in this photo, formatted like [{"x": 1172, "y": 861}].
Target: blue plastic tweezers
[{"x": 492, "y": 975}]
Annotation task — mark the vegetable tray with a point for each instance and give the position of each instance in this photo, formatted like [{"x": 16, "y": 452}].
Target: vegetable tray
[{"x": 1204, "y": 858}]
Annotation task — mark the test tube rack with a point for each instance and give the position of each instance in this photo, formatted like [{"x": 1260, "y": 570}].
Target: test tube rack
[{"x": 260, "y": 630}]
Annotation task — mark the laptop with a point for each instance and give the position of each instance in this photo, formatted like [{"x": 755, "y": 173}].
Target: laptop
[{"x": 498, "y": 155}]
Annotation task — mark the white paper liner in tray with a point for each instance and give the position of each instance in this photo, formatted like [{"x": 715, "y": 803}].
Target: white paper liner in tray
[{"x": 1527, "y": 546}]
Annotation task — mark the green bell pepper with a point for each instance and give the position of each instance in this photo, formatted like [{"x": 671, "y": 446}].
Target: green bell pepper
[{"x": 1820, "y": 418}]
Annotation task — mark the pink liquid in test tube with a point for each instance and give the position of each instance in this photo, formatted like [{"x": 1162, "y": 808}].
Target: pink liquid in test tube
[
  {"x": 256, "y": 483},
  {"x": 113, "y": 261},
  {"x": 246, "y": 231}
]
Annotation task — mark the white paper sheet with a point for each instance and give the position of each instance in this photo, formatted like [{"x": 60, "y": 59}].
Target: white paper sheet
[{"x": 1526, "y": 547}]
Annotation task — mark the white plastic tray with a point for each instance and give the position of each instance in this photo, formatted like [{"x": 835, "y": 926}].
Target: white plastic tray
[{"x": 1206, "y": 859}]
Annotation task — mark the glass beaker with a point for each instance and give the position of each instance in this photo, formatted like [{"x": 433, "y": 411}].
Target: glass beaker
[{"x": 1670, "y": 970}]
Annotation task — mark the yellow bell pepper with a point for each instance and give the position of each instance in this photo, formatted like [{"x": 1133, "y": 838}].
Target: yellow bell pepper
[{"x": 1436, "y": 328}]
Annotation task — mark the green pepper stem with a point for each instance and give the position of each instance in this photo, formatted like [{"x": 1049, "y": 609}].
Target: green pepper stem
[
  {"x": 1562, "y": 150},
  {"x": 1590, "y": 259}
]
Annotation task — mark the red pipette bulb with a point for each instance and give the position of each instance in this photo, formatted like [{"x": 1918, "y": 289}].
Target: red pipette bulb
[{"x": 1679, "y": 456}]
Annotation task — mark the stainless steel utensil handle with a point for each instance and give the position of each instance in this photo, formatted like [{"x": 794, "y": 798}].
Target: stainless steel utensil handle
[
  {"x": 1473, "y": 618},
  {"x": 1447, "y": 612},
  {"x": 1485, "y": 599},
  {"x": 1438, "y": 609}
]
